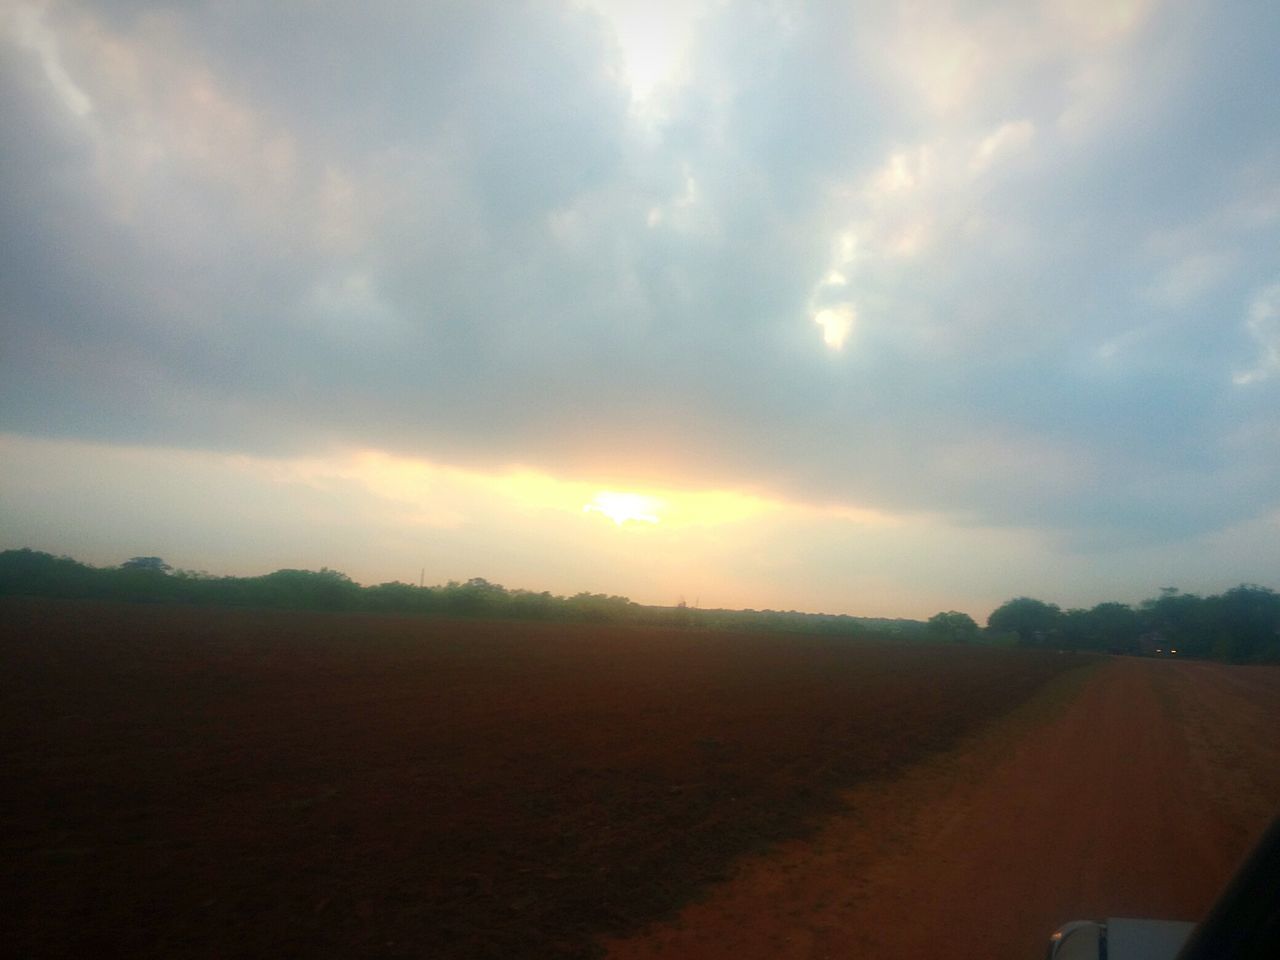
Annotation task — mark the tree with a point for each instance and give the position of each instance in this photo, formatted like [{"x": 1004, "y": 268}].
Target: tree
[
  {"x": 1180, "y": 620},
  {"x": 1074, "y": 629},
  {"x": 953, "y": 627},
  {"x": 477, "y": 597},
  {"x": 305, "y": 589},
  {"x": 1033, "y": 621},
  {"x": 1245, "y": 623},
  {"x": 37, "y": 574},
  {"x": 154, "y": 564},
  {"x": 1114, "y": 627}
]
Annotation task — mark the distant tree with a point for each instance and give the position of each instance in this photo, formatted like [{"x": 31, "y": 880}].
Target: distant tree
[
  {"x": 1073, "y": 629},
  {"x": 953, "y": 627},
  {"x": 598, "y": 607},
  {"x": 475, "y": 598},
  {"x": 1180, "y": 620},
  {"x": 33, "y": 573},
  {"x": 530, "y": 605},
  {"x": 146, "y": 563},
  {"x": 1033, "y": 621},
  {"x": 1244, "y": 624},
  {"x": 1113, "y": 627},
  {"x": 395, "y": 596},
  {"x": 324, "y": 589}
]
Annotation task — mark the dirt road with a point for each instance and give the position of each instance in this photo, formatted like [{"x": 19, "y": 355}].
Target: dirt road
[{"x": 1132, "y": 790}]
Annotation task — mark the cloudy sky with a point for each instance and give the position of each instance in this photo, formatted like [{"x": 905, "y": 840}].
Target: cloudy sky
[{"x": 855, "y": 307}]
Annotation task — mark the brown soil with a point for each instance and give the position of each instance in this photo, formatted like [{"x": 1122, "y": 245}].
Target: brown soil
[
  {"x": 185, "y": 782},
  {"x": 1131, "y": 791}
]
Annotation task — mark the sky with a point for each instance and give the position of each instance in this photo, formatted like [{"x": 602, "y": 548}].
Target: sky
[{"x": 865, "y": 308}]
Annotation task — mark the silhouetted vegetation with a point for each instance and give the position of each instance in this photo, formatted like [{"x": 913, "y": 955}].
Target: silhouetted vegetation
[
  {"x": 1031, "y": 621},
  {"x": 953, "y": 627},
  {"x": 150, "y": 579},
  {"x": 1241, "y": 625}
]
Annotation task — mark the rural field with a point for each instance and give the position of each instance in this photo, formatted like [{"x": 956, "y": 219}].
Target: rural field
[{"x": 194, "y": 782}]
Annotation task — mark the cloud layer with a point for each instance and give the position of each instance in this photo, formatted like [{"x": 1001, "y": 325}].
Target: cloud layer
[{"x": 1011, "y": 264}]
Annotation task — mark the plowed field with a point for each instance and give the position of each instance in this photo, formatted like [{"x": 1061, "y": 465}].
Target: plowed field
[{"x": 211, "y": 783}]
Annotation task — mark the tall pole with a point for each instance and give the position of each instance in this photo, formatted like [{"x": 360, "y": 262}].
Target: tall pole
[{"x": 421, "y": 577}]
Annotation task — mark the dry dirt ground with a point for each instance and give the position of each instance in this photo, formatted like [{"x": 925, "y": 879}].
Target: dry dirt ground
[
  {"x": 1130, "y": 790},
  {"x": 187, "y": 782}
]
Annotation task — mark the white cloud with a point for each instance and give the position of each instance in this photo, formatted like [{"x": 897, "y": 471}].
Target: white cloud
[
  {"x": 1263, "y": 325},
  {"x": 26, "y": 24},
  {"x": 1006, "y": 139},
  {"x": 1187, "y": 280},
  {"x": 902, "y": 172},
  {"x": 682, "y": 211}
]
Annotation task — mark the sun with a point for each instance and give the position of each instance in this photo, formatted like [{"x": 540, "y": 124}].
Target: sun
[{"x": 624, "y": 507}]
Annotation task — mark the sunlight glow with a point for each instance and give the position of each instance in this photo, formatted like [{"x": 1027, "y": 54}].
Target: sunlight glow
[
  {"x": 836, "y": 323},
  {"x": 417, "y": 493},
  {"x": 624, "y": 507},
  {"x": 652, "y": 37}
]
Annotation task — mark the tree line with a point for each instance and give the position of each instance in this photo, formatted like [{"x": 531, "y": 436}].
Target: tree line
[
  {"x": 149, "y": 579},
  {"x": 28, "y": 572},
  {"x": 1240, "y": 625}
]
